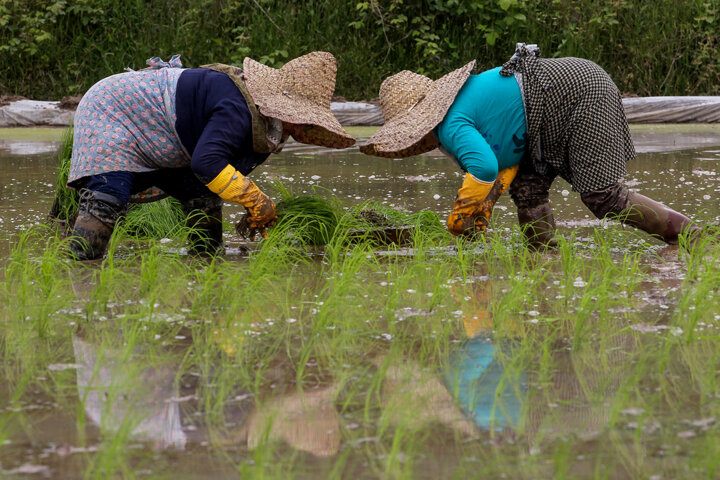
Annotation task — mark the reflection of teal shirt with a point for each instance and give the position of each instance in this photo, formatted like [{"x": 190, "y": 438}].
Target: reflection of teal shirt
[
  {"x": 481, "y": 386},
  {"x": 485, "y": 127}
]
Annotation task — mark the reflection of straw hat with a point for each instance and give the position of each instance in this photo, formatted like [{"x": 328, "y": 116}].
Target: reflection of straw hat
[
  {"x": 413, "y": 105},
  {"x": 307, "y": 422},
  {"x": 299, "y": 92}
]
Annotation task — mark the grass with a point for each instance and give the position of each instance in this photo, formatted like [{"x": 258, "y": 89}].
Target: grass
[
  {"x": 290, "y": 365},
  {"x": 323, "y": 355},
  {"x": 35, "y": 134},
  {"x": 145, "y": 220}
]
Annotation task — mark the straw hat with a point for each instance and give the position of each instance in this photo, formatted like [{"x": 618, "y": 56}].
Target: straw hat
[
  {"x": 413, "y": 105},
  {"x": 299, "y": 92}
]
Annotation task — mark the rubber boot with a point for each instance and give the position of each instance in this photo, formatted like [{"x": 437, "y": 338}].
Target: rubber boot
[
  {"x": 538, "y": 225},
  {"x": 97, "y": 215},
  {"x": 204, "y": 219},
  {"x": 655, "y": 218}
]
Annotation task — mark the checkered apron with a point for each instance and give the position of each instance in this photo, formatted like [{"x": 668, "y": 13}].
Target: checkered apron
[{"x": 576, "y": 123}]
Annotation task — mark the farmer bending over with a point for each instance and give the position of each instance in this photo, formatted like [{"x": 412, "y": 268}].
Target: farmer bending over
[
  {"x": 193, "y": 134},
  {"x": 530, "y": 120}
]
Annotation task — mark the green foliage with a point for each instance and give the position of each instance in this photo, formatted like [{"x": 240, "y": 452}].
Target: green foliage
[
  {"x": 60, "y": 47},
  {"x": 155, "y": 219},
  {"x": 66, "y": 200},
  {"x": 311, "y": 220},
  {"x": 150, "y": 220}
]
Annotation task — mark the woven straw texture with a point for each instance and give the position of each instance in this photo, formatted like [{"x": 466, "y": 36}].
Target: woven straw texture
[
  {"x": 299, "y": 92},
  {"x": 413, "y": 105}
]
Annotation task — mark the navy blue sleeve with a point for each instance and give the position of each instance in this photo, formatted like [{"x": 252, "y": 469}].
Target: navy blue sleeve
[
  {"x": 214, "y": 124},
  {"x": 221, "y": 140}
]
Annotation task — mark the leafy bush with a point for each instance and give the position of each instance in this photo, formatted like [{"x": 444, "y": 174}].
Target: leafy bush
[{"x": 55, "y": 48}]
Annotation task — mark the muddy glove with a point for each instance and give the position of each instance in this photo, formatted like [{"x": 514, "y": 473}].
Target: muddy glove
[
  {"x": 246, "y": 230},
  {"x": 233, "y": 186},
  {"x": 502, "y": 183},
  {"x": 467, "y": 205}
]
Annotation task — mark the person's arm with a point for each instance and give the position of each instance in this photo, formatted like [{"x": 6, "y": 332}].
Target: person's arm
[
  {"x": 226, "y": 132},
  {"x": 458, "y": 135},
  {"x": 222, "y": 139},
  {"x": 462, "y": 140}
]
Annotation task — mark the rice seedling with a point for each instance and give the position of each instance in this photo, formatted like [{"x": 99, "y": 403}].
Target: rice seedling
[
  {"x": 358, "y": 359},
  {"x": 308, "y": 220},
  {"x": 65, "y": 205},
  {"x": 159, "y": 219},
  {"x": 152, "y": 220}
]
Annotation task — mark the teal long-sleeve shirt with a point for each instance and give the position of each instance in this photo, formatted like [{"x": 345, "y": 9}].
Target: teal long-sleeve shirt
[{"x": 484, "y": 129}]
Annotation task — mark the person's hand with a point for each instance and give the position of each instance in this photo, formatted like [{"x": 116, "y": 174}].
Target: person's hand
[
  {"x": 466, "y": 208},
  {"x": 473, "y": 216},
  {"x": 461, "y": 224},
  {"x": 233, "y": 186},
  {"x": 250, "y": 226}
]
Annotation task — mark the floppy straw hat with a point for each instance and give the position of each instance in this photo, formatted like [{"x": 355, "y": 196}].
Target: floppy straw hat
[
  {"x": 299, "y": 92},
  {"x": 413, "y": 105}
]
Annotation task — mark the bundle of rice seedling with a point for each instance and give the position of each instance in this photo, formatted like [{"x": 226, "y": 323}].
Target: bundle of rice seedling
[
  {"x": 381, "y": 225},
  {"x": 307, "y": 219},
  {"x": 65, "y": 205},
  {"x": 161, "y": 219}
]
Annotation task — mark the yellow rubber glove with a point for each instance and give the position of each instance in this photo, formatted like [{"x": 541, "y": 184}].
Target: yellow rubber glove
[
  {"x": 233, "y": 186},
  {"x": 502, "y": 183},
  {"x": 467, "y": 205}
]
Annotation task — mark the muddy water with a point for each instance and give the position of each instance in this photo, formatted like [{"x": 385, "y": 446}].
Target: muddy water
[
  {"x": 57, "y": 435},
  {"x": 679, "y": 168}
]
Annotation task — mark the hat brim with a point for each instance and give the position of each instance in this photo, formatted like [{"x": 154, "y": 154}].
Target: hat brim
[
  {"x": 417, "y": 148},
  {"x": 323, "y": 126},
  {"x": 293, "y": 108},
  {"x": 400, "y": 136}
]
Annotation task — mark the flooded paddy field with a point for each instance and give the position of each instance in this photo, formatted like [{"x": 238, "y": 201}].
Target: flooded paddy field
[{"x": 440, "y": 359}]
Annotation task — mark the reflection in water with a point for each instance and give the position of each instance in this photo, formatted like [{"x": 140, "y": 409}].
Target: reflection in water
[
  {"x": 474, "y": 395},
  {"x": 115, "y": 395},
  {"x": 488, "y": 386},
  {"x": 416, "y": 398},
  {"x": 123, "y": 392},
  {"x": 306, "y": 421},
  {"x": 491, "y": 381},
  {"x": 482, "y": 387},
  {"x": 141, "y": 392}
]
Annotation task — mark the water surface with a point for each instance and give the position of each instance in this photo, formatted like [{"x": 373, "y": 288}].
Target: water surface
[{"x": 391, "y": 373}]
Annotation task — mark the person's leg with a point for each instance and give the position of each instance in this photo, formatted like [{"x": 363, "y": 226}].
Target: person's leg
[
  {"x": 204, "y": 219},
  {"x": 103, "y": 200},
  {"x": 639, "y": 211},
  {"x": 530, "y": 192},
  {"x": 202, "y": 208}
]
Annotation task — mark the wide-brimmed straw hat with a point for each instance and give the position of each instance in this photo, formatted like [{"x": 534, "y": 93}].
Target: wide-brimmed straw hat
[
  {"x": 299, "y": 92},
  {"x": 413, "y": 105}
]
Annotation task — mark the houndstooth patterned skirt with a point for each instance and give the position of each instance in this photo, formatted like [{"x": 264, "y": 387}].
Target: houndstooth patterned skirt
[{"x": 576, "y": 123}]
